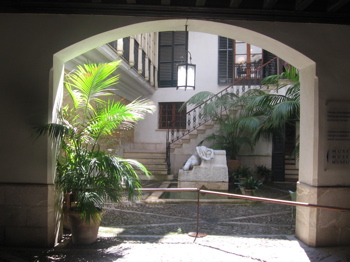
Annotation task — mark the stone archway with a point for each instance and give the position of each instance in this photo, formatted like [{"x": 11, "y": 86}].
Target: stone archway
[{"x": 307, "y": 68}]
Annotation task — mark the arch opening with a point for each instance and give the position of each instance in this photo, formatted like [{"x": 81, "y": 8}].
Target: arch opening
[{"x": 306, "y": 67}]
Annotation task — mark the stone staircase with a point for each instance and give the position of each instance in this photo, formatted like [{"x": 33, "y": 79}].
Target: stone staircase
[
  {"x": 195, "y": 136},
  {"x": 291, "y": 171},
  {"x": 154, "y": 161}
]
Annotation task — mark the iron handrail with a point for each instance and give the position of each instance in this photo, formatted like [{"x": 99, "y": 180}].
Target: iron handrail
[{"x": 251, "y": 198}]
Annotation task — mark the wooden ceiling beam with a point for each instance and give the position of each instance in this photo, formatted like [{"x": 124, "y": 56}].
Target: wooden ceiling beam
[
  {"x": 301, "y": 5},
  {"x": 200, "y": 2},
  {"x": 337, "y": 5},
  {"x": 235, "y": 3},
  {"x": 166, "y": 10},
  {"x": 165, "y": 2},
  {"x": 269, "y": 4}
]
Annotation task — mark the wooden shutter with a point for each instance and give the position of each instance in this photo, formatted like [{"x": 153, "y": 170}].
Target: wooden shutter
[
  {"x": 225, "y": 61},
  {"x": 136, "y": 55},
  {"x": 126, "y": 47},
  {"x": 270, "y": 69},
  {"x": 171, "y": 53}
]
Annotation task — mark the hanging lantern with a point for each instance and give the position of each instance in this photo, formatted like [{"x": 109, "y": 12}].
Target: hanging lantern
[{"x": 186, "y": 72}]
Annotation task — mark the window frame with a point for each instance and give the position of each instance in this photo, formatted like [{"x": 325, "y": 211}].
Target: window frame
[
  {"x": 174, "y": 115},
  {"x": 175, "y": 45},
  {"x": 225, "y": 71}
]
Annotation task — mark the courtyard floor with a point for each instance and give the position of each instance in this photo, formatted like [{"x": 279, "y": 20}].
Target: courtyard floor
[{"x": 151, "y": 231}]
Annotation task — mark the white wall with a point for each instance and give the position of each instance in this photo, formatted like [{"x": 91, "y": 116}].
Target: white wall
[{"x": 204, "y": 50}]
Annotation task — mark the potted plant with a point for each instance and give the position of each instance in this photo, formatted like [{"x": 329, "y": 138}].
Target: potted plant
[
  {"x": 241, "y": 173},
  {"x": 85, "y": 169},
  {"x": 264, "y": 173},
  {"x": 238, "y": 175},
  {"x": 249, "y": 186},
  {"x": 230, "y": 138}
]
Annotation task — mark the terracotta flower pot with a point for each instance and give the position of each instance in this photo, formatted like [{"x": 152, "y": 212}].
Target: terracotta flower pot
[
  {"x": 83, "y": 233},
  {"x": 248, "y": 192},
  {"x": 233, "y": 164}
]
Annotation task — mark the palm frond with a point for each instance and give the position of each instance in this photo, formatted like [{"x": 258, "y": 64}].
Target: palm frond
[{"x": 91, "y": 81}]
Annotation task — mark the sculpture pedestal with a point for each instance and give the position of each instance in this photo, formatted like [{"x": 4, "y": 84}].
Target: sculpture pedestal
[{"x": 212, "y": 174}]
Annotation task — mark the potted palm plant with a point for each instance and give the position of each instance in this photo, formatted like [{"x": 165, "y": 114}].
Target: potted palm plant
[
  {"x": 85, "y": 168},
  {"x": 242, "y": 173},
  {"x": 230, "y": 138},
  {"x": 249, "y": 186},
  {"x": 264, "y": 173}
]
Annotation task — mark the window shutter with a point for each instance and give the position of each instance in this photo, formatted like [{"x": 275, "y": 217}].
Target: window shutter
[
  {"x": 113, "y": 44},
  {"x": 126, "y": 46},
  {"x": 225, "y": 60},
  {"x": 136, "y": 54},
  {"x": 270, "y": 69},
  {"x": 171, "y": 53},
  {"x": 143, "y": 64}
]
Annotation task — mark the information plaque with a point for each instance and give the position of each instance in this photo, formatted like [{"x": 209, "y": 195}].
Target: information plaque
[{"x": 338, "y": 135}]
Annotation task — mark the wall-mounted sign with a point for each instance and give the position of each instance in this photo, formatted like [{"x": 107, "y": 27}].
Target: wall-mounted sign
[{"x": 338, "y": 135}]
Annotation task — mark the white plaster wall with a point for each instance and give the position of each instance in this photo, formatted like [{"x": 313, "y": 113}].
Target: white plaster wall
[{"x": 204, "y": 51}]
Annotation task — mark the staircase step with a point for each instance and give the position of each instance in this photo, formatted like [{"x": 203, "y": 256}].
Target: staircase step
[
  {"x": 150, "y": 161},
  {"x": 291, "y": 178},
  {"x": 289, "y": 158},
  {"x": 155, "y": 165},
  {"x": 143, "y": 154},
  {"x": 155, "y": 174},
  {"x": 200, "y": 130},
  {"x": 289, "y": 166},
  {"x": 154, "y": 161},
  {"x": 209, "y": 125},
  {"x": 193, "y": 135},
  {"x": 186, "y": 139},
  {"x": 158, "y": 177},
  {"x": 291, "y": 172},
  {"x": 290, "y": 162},
  {"x": 177, "y": 144}
]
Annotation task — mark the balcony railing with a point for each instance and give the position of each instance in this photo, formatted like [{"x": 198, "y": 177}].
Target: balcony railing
[
  {"x": 137, "y": 58},
  {"x": 248, "y": 74}
]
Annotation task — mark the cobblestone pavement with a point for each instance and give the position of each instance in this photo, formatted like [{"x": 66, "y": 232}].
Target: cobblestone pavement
[{"x": 159, "y": 232}]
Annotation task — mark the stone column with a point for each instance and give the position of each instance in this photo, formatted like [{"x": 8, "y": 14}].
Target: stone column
[
  {"x": 320, "y": 227},
  {"x": 324, "y": 177}
]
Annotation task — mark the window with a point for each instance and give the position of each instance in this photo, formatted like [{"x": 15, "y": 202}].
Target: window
[
  {"x": 169, "y": 114},
  {"x": 238, "y": 60},
  {"x": 247, "y": 59},
  {"x": 225, "y": 66},
  {"x": 171, "y": 53}
]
